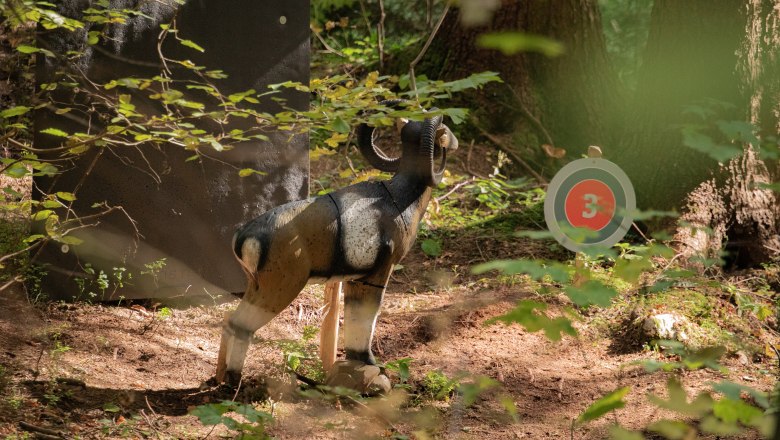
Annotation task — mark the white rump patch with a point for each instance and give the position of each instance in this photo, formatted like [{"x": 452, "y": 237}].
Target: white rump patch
[{"x": 250, "y": 254}]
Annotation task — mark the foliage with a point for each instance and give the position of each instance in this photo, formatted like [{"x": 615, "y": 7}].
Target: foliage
[
  {"x": 530, "y": 315},
  {"x": 252, "y": 428},
  {"x": 438, "y": 386},
  {"x": 722, "y": 139},
  {"x": 510, "y": 43},
  {"x": 192, "y": 114},
  {"x": 302, "y": 355},
  {"x": 401, "y": 368},
  {"x": 604, "y": 405},
  {"x": 704, "y": 413},
  {"x": 431, "y": 247},
  {"x": 493, "y": 203}
]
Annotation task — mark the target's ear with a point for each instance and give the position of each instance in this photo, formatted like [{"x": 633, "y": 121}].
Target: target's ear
[
  {"x": 400, "y": 123},
  {"x": 445, "y": 138}
]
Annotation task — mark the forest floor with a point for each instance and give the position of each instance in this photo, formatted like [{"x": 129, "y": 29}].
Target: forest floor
[{"x": 135, "y": 370}]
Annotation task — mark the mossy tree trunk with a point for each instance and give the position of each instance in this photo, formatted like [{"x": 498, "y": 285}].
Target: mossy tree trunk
[
  {"x": 702, "y": 53},
  {"x": 698, "y": 53},
  {"x": 572, "y": 97}
]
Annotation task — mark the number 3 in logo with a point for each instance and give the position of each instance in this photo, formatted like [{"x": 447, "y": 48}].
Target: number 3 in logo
[{"x": 590, "y": 203}]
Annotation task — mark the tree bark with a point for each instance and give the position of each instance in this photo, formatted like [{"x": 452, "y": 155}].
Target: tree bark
[
  {"x": 741, "y": 68},
  {"x": 698, "y": 52},
  {"x": 689, "y": 58},
  {"x": 570, "y": 98}
]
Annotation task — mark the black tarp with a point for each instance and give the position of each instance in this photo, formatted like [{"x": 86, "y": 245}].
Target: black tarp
[{"x": 185, "y": 212}]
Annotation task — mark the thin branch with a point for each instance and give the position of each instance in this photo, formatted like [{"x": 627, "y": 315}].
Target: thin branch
[
  {"x": 40, "y": 432},
  {"x": 380, "y": 34},
  {"x": 327, "y": 47},
  {"x": 426, "y": 46},
  {"x": 531, "y": 117},
  {"x": 11, "y": 282},
  {"x": 455, "y": 188},
  {"x": 513, "y": 155},
  {"x": 130, "y": 61},
  {"x": 21, "y": 251}
]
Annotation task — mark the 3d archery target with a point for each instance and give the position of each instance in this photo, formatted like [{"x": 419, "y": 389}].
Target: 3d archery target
[{"x": 588, "y": 204}]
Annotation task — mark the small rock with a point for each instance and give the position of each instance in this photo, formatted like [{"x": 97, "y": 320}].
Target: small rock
[
  {"x": 666, "y": 326},
  {"x": 742, "y": 358}
]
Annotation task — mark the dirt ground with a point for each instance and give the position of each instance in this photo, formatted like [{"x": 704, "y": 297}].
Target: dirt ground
[
  {"x": 135, "y": 370},
  {"x": 126, "y": 371}
]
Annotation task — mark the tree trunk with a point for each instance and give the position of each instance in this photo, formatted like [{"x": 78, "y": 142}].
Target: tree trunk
[
  {"x": 699, "y": 53},
  {"x": 569, "y": 98}
]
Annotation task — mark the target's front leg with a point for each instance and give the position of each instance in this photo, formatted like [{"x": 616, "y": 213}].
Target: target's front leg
[{"x": 362, "y": 300}]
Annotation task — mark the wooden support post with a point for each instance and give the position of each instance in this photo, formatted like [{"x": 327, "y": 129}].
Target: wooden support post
[
  {"x": 329, "y": 332},
  {"x": 580, "y": 274}
]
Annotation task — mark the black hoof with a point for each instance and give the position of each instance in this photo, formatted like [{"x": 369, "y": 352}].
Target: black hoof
[{"x": 232, "y": 378}]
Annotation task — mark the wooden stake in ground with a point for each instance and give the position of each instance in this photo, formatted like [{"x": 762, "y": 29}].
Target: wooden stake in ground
[{"x": 329, "y": 332}]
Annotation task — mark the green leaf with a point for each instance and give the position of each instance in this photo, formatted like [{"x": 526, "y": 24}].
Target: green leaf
[
  {"x": 431, "y": 247},
  {"x": 340, "y": 126},
  {"x": 526, "y": 315},
  {"x": 93, "y": 37},
  {"x": 639, "y": 216},
  {"x": 671, "y": 429},
  {"x": 734, "y": 391},
  {"x": 14, "y": 111},
  {"x": 71, "y": 240},
  {"x": 631, "y": 270},
  {"x": 742, "y": 131},
  {"x": 704, "y": 144},
  {"x": 33, "y": 238},
  {"x": 508, "y": 403},
  {"x": 535, "y": 269},
  {"x": 192, "y": 44},
  {"x": 678, "y": 400},
  {"x": 111, "y": 408},
  {"x": 51, "y": 204},
  {"x": 66, "y": 196},
  {"x": 43, "y": 214},
  {"x": 470, "y": 391},
  {"x": 731, "y": 411},
  {"x": 510, "y": 43},
  {"x": 712, "y": 425},
  {"x": 770, "y": 186},
  {"x": 27, "y": 49},
  {"x": 16, "y": 171},
  {"x": 592, "y": 292},
  {"x": 620, "y": 433},
  {"x": 610, "y": 402},
  {"x": 210, "y": 414},
  {"x": 457, "y": 115},
  {"x": 536, "y": 235},
  {"x": 706, "y": 357},
  {"x": 246, "y": 172},
  {"x": 54, "y": 132}
]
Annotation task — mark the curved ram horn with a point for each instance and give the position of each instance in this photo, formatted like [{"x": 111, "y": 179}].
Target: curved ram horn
[
  {"x": 428, "y": 149},
  {"x": 370, "y": 151}
]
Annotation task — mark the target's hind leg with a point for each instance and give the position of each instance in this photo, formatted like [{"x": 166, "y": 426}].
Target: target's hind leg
[
  {"x": 237, "y": 330},
  {"x": 257, "y": 308}
]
